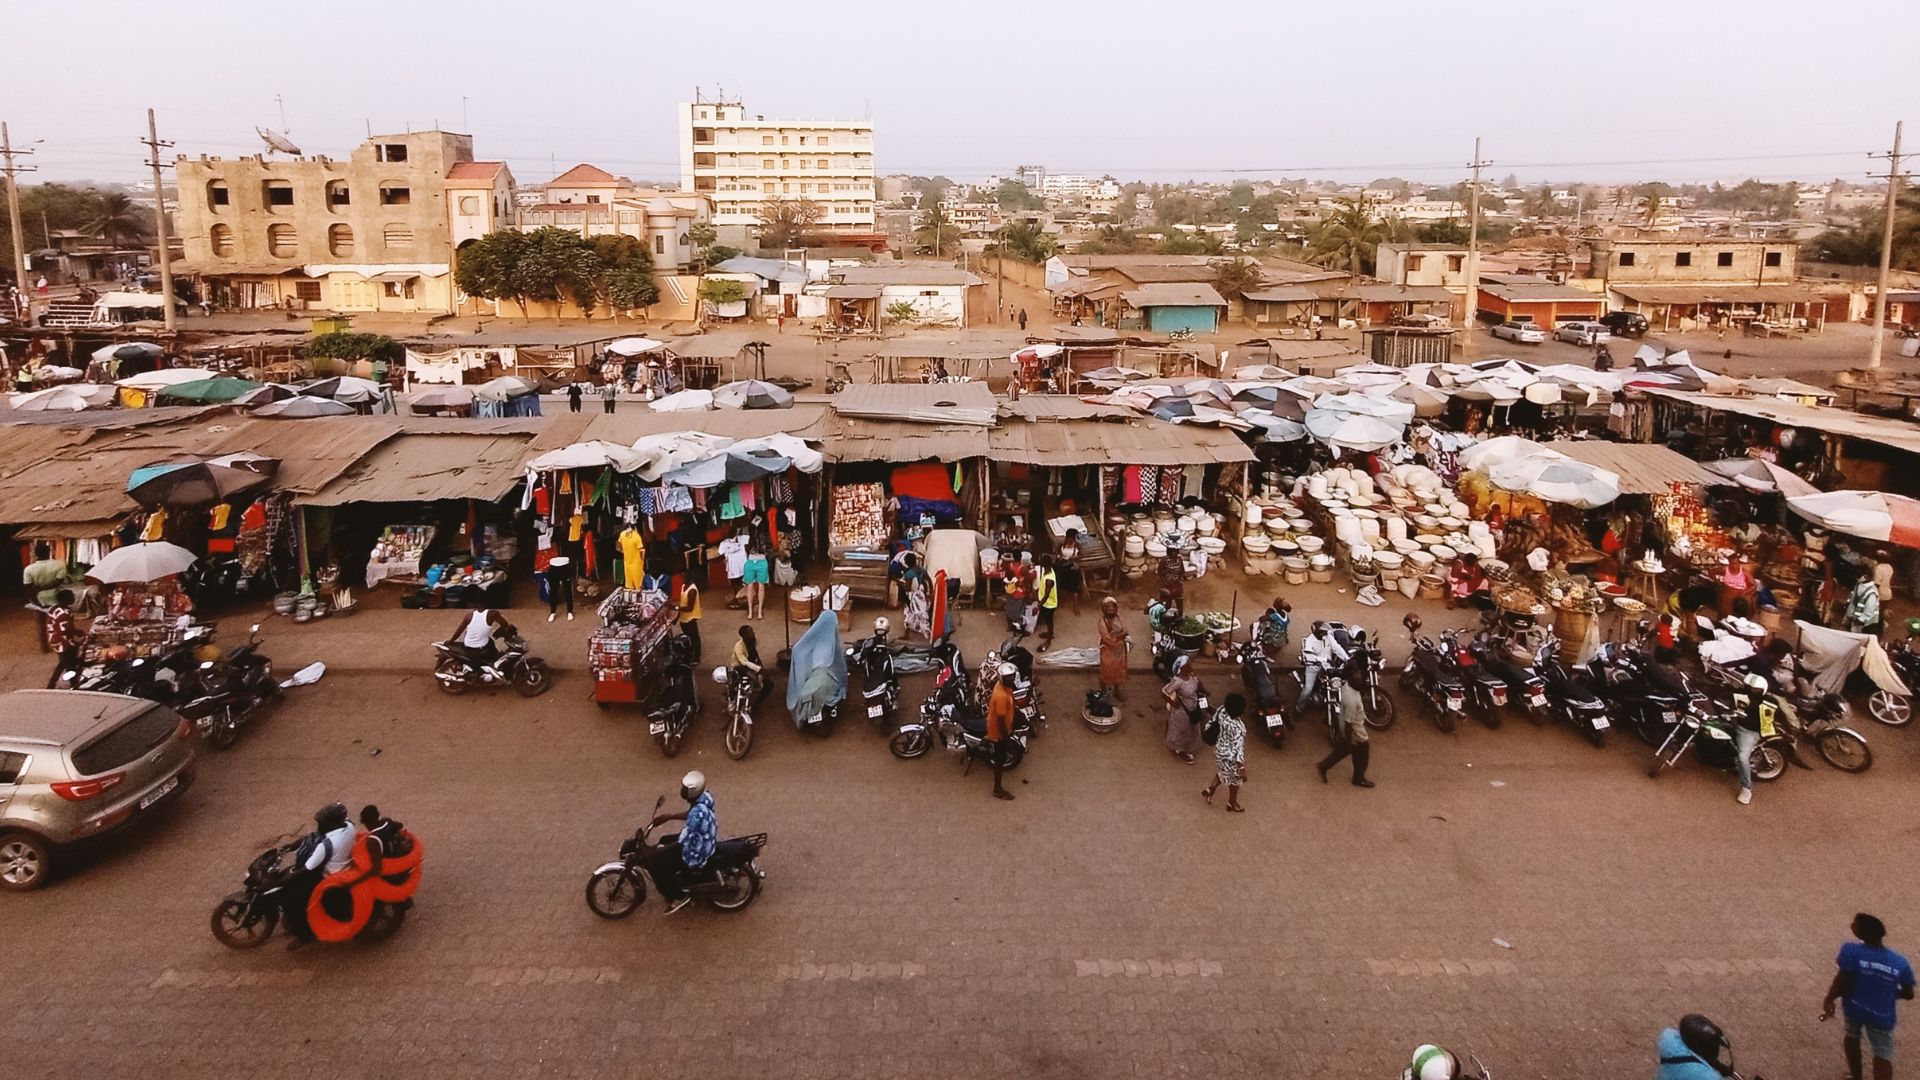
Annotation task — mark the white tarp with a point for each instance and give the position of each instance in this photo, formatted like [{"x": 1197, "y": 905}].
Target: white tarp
[{"x": 1831, "y": 655}]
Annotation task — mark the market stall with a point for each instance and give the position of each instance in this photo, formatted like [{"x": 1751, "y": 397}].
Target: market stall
[{"x": 624, "y": 653}]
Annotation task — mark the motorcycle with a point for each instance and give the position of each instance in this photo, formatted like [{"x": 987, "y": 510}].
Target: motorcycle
[
  {"x": 166, "y": 677},
  {"x": 1711, "y": 738},
  {"x": 1650, "y": 699},
  {"x": 1886, "y": 706},
  {"x": 1256, "y": 674},
  {"x": 729, "y": 881},
  {"x": 741, "y": 685},
  {"x": 456, "y": 672},
  {"x": 1486, "y": 692},
  {"x": 950, "y": 715},
  {"x": 879, "y": 684},
  {"x": 1374, "y": 698},
  {"x": 1026, "y": 693},
  {"x": 1517, "y": 667},
  {"x": 1325, "y": 699},
  {"x": 1431, "y": 673},
  {"x": 818, "y": 680},
  {"x": 1814, "y": 717},
  {"x": 378, "y": 905},
  {"x": 1569, "y": 700},
  {"x": 227, "y": 693},
  {"x": 672, "y": 712}
]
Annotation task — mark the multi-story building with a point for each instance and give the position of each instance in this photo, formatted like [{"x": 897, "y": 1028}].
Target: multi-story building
[
  {"x": 1717, "y": 279},
  {"x": 593, "y": 202},
  {"x": 743, "y": 161},
  {"x": 370, "y": 233},
  {"x": 1421, "y": 264}
]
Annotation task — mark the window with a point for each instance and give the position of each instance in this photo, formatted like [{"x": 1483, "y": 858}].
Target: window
[
  {"x": 216, "y": 193},
  {"x": 276, "y": 193},
  {"x": 705, "y": 183},
  {"x": 703, "y": 159},
  {"x": 1773, "y": 258},
  {"x": 786, "y": 187},
  {"x": 11, "y": 766},
  {"x": 222, "y": 238},
  {"x": 929, "y": 292},
  {"x": 337, "y": 194},
  {"x": 659, "y": 244},
  {"x": 1725, "y": 258},
  {"x": 339, "y": 240},
  {"x": 704, "y": 136},
  {"x": 784, "y": 140},
  {"x": 392, "y": 151},
  {"x": 1457, "y": 263},
  {"x": 767, "y": 164},
  {"x": 822, "y": 140},
  {"x": 127, "y": 743},
  {"x": 767, "y": 188},
  {"x": 469, "y": 204},
  {"x": 1414, "y": 262},
  {"x": 593, "y": 198},
  {"x": 395, "y": 194},
  {"x": 397, "y": 289},
  {"x": 1626, "y": 258},
  {"x": 823, "y": 163},
  {"x": 307, "y": 290},
  {"x": 397, "y": 237},
  {"x": 803, "y": 140},
  {"x": 1683, "y": 258},
  {"x": 282, "y": 241},
  {"x": 803, "y": 163},
  {"x": 766, "y": 140},
  {"x": 703, "y": 114}
]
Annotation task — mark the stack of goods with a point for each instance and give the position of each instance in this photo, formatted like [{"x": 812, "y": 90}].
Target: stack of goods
[
  {"x": 859, "y": 517},
  {"x": 611, "y": 652},
  {"x": 1692, "y": 534},
  {"x": 398, "y": 553}
]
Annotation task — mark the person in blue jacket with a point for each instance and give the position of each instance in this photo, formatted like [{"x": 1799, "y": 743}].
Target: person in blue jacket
[{"x": 1692, "y": 1051}]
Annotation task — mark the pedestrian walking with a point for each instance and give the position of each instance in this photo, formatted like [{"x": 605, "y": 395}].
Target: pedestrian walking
[
  {"x": 1067, "y": 568},
  {"x": 690, "y": 614},
  {"x": 559, "y": 586},
  {"x": 1046, "y": 598},
  {"x": 1114, "y": 640},
  {"x": 1023, "y": 320},
  {"x": 1352, "y": 739},
  {"x": 573, "y": 397},
  {"x": 1183, "y": 693},
  {"x": 1872, "y": 979},
  {"x": 1000, "y": 726},
  {"x": 1228, "y": 733},
  {"x": 608, "y": 393}
]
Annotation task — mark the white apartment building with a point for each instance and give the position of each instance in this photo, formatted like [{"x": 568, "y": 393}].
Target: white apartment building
[
  {"x": 1074, "y": 186},
  {"x": 741, "y": 160}
]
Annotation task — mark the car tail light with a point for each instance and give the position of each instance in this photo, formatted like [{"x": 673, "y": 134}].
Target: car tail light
[{"x": 91, "y": 788}]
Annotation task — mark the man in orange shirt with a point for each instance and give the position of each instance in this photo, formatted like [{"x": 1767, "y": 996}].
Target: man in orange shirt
[{"x": 1000, "y": 726}]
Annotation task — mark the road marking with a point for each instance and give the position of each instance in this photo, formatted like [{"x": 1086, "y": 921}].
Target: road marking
[
  {"x": 1752, "y": 966},
  {"x": 228, "y": 980},
  {"x": 1442, "y": 967},
  {"x": 848, "y": 972},
  {"x": 539, "y": 976},
  {"x": 1151, "y": 969}
]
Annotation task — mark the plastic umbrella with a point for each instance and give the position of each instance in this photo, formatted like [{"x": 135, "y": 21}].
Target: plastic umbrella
[
  {"x": 1762, "y": 476},
  {"x": 1351, "y": 430},
  {"x": 1171, "y": 407},
  {"x": 1426, "y": 401},
  {"x": 266, "y": 394},
  {"x": 505, "y": 387},
  {"x": 443, "y": 397},
  {"x": 220, "y": 388},
  {"x": 751, "y": 394},
  {"x": 634, "y": 346},
  {"x": 344, "y": 388},
  {"x": 1872, "y": 515},
  {"x": 132, "y": 350},
  {"x": 303, "y": 408},
  {"x": 684, "y": 401},
  {"x": 1556, "y": 479},
  {"x": 164, "y": 377},
  {"x": 69, "y": 397},
  {"x": 1487, "y": 454},
  {"x": 190, "y": 483},
  {"x": 592, "y": 454},
  {"x": 141, "y": 562},
  {"x": 1273, "y": 428}
]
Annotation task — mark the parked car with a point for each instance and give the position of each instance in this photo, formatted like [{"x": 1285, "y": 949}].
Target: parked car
[
  {"x": 1524, "y": 333},
  {"x": 1626, "y": 323},
  {"x": 1582, "y": 332},
  {"x": 76, "y": 765}
]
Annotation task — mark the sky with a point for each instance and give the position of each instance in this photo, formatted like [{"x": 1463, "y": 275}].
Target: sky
[{"x": 1214, "y": 90}]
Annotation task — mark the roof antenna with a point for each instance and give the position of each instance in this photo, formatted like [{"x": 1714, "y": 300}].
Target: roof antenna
[{"x": 284, "y": 129}]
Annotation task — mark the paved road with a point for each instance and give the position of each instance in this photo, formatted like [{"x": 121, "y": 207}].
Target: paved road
[{"x": 1105, "y": 924}]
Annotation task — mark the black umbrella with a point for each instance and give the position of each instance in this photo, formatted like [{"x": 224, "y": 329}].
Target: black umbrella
[
  {"x": 1289, "y": 406},
  {"x": 742, "y": 468},
  {"x": 1167, "y": 408},
  {"x": 190, "y": 484},
  {"x": 1257, "y": 395}
]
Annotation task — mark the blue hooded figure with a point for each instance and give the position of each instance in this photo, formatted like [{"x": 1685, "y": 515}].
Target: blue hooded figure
[{"x": 818, "y": 679}]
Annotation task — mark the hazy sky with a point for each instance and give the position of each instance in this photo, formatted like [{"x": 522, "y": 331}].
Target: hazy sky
[{"x": 1682, "y": 90}]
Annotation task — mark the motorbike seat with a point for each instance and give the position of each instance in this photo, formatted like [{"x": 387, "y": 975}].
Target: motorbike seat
[
  {"x": 731, "y": 852},
  {"x": 971, "y": 722}
]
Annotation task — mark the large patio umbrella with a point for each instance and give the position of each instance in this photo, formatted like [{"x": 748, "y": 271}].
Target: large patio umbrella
[
  {"x": 1556, "y": 479},
  {"x": 1762, "y": 476},
  {"x": 303, "y": 408},
  {"x": 1485, "y": 455},
  {"x": 591, "y": 454},
  {"x": 344, "y": 388},
  {"x": 132, "y": 350},
  {"x": 1273, "y": 429},
  {"x": 220, "y": 388},
  {"x": 443, "y": 397},
  {"x": 634, "y": 346},
  {"x": 141, "y": 562},
  {"x": 185, "y": 484},
  {"x": 162, "y": 378},
  {"x": 1262, "y": 371},
  {"x": 505, "y": 387},
  {"x": 1171, "y": 407},
  {"x": 684, "y": 401},
  {"x": 68, "y": 397},
  {"x": 751, "y": 394},
  {"x": 1352, "y": 430},
  {"x": 1872, "y": 515},
  {"x": 1426, "y": 401},
  {"x": 267, "y": 394}
]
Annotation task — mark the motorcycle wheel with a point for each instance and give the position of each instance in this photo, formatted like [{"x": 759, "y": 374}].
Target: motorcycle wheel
[
  {"x": 225, "y": 730},
  {"x": 739, "y": 738},
  {"x": 383, "y": 923},
  {"x": 909, "y": 744},
  {"x": 1442, "y": 719},
  {"x": 1845, "y": 750},
  {"x": 1893, "y": 710},
  {"x": 1381, "y": 710},
  {"x": 615, "y": 894},
  {"x": 449, "y": 666},
  {"x": 744, "y": 889},
  {"x": 533, "y": 679},
  {"x": 1768, "y": 763},
  {"x": 1536, "y": 716},
  {"x": 670, "y": 741},
  {"x": 231, "y": 928},
  {"x": 1489, "y": 716},
  {"x": 1597, "y": 736},
  {"x": 1015, "y": 754}
]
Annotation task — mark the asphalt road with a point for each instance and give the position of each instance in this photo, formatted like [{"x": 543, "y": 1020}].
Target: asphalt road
[{"x": 1105, "y": 924}]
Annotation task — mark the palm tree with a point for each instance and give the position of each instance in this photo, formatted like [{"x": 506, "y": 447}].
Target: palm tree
[
  {"x": 1235, "y": 276},
  {"x": 1348, "y": 236},
  {"x": 1027, "y": 242},
  {"x": 936, "y": 231},
  {"x": 114, "y": 217}
]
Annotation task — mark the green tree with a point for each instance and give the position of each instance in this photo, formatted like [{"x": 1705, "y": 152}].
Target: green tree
[
  {"x": 931, "y": 188},
  {"x": 1114, "y": 240},
  {"x": 1859, "y": 244},
  {"x": 788, "y": 223},
  {"x": 702, "y": 234},
  {"x": 722, "y": 291},
  {"x": 1178, "y": 242},
  {"x": 936, "y": 232},
  {"x": 543, "y": 266},
  {"x": 49, "y": 208},
  {"x": 1027, "y": 242},
  {"x": 115, "y": 218},
  {"x": 1349, "y": 237},
  {"x": 902, "y": 311},
  {"x": 623, "y": 277},
  {"x": 1014, "y": 195},
  {"x": 720, "y": 253},
  {"x": 1235, "y": 276}
]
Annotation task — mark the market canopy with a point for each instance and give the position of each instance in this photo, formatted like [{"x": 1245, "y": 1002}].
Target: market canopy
[
  {"x": 634, "y": 346},
  {"x": 220, "y": 388},
  {"x": 303, "y": 407},
  {"x": 132, "y": 350},
  {"x": 752, "y": 394},
  {"x": 592, "y": 454},
  {"x": 1353, "y": 431},
  {"x": 266, "y": 395},
  {"x": 684, "y": 401},
  {"x": 345, "y": 388},
  {"x": 162, "y": 378},
  {"x": 187, "y": 484},
  {"x": 1871, "y": 515},
  {"x": 1485, "y": 455},
  {"x": 67, "y": 397},
  {"x": 1762, "y": 476},
  {"x": 505, "y": 387},
  {"x": 1555, "y": 479},
  {"x": 141, "y": 562}
]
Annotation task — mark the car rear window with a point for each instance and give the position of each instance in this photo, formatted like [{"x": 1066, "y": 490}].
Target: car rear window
[{"x": 125, "y": 743}]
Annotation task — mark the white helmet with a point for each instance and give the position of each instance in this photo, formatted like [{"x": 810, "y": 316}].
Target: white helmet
[
  {"x": 1432, "y": 1063},
  {"x": 1756, "y": 681},
  {"x": 720, "y": 675},
  {"x": 881, "y": 624},
  {"x": 1008, "y": 671},
  {"x": 693, "y": 785}
]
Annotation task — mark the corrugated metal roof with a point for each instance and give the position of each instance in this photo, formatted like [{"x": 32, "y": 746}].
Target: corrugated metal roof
[
  {"x": 423, "y": 468},
  {"x": 86, "y": 479},
  {"x": 1643, "y": 468},
  {"x": 312, "y": 453},
  {"x": 1083, "y": 286},
  {"x": 1173, "y": 295},
  {"x": 853, "y": 292},
  {"x": 806, "y": 420},
  {"x": 1834, "y": 421},
  {"x": 770, "y": 269},
  {"x": 1281, "y": 294},
  {"x": 908, "y": 275},
  {"x": 1142, "y": 441},
  {"x": 1106, "y": 262},
  {"x": 928, "y": 349},
  {"x": 1717, "y": 294},
  {"x": 961, "y": 403},
  {"x": 1062, "y": 407},
  {"x": 1148, "y": 275},
  {"x": 1544, "y": 292}
]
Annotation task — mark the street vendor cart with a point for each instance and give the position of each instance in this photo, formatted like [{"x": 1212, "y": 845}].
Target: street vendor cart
[{"x": 626, "y": 653}]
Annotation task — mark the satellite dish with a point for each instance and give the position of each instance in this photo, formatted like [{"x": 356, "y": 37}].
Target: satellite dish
[{"x": 276, "y": 142}]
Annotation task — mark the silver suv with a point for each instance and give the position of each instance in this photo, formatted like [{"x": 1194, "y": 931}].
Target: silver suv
[{"x": 76, "y": 765}]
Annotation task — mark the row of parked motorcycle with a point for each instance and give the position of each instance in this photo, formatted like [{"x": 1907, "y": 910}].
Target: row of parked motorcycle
[{"x": 219, "y": 691}]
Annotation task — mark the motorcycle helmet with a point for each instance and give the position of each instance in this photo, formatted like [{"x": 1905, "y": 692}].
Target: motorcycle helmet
[
  {"x": 693, "y": 785},
  {"x": 1007, "y": 671},
  {"x": 1703, "y": 1037},
  {"x": 1756, "y": 681},
  {"x": 720, "y": 675},
  {"x": 1432, "y": 1063},
  {"x": 881, "y": 625},
  {"x": 1411, "y": 622},
  {"x": 330, "y": 816}
]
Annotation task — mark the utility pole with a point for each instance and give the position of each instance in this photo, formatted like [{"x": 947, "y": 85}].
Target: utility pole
[
  {"x": 154, "y": 146},
  {"x": 13, "y": 209},
  {"x": 1473, "y": 244},
  {"x": 1893, "y": 178}
]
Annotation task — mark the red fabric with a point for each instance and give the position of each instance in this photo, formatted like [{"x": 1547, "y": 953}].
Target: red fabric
[
  {"x": 927, "y": 480},
  {"x": 1905, "y": 515},
  {"x": 365, "y": 891}
]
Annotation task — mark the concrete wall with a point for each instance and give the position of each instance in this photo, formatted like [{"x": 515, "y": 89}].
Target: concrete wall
[
  {"x": 937, "y": 304},
  {"x": 1656, "y": 261},
  {"x": 1167, "y": 319}
]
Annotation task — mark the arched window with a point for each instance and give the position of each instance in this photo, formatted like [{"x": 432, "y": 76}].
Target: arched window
[
  {"x": 338, "y": 195},
  {"x": 222, "y": 237},
  {"x": 282, "y": 242},
  {"x": 397, "y": 237},
  {"x": 340, "y": 240}
]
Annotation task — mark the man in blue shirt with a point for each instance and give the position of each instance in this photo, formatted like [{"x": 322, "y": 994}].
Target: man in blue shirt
[
  {"x": 695, "y": 844},
  {"x": 1872, "y": 978}
]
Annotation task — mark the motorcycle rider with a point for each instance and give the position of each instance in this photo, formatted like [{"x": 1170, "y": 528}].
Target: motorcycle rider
[
  {"x": 1692, "y": 1051},
  {"x": 694, "y": 845},
  {"x": 473, "y": 639},
  {"x": 746, "y": 658},
  {"x": 1270, "y": 632},
  {"x": 326, "y": 850},
  {"x": 1755, "y": 716},
  {"x": 1000, "y": 713},
  {"x": 1320, "y": 650}
]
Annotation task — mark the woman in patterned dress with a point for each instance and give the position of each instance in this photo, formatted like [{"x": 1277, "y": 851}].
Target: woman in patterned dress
[{"x": 1229, "y": 752}]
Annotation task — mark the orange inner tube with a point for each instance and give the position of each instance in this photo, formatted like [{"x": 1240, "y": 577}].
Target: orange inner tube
[{"x": 362, "y": 890}]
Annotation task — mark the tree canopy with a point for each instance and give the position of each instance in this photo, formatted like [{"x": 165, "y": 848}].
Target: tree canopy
[
  {"x": 1014, "y": 195},
  {"x": 49, "y": 208},
  {"x": 1027, "y": 242},
  {"x": 553, "y": 266},
  {"x": 788, "y": 223},
  {"x": 1348, "y": 237}
]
